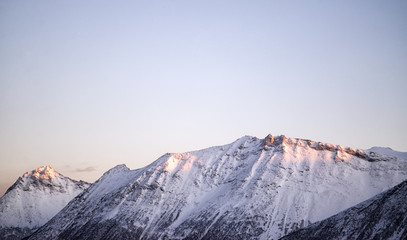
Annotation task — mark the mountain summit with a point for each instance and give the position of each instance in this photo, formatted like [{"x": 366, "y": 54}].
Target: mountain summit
[
  {"x": 249, "y": 189},
  {"x": 34, "y": 199},
  {"x": 44, "y": 172}
]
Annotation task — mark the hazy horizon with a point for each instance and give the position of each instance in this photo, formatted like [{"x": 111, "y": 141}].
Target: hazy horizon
[{"x": 85, "y": 86}]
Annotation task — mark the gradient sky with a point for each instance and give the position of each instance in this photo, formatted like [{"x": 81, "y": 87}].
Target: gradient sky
[{"x": 87, "y": 85}]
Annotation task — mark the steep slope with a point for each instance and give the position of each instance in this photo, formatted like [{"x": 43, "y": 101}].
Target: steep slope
[
  {"x": 34, "y": 199},
  {"x": 381, "y": 217},
  {"x": 250, "y": 189}
]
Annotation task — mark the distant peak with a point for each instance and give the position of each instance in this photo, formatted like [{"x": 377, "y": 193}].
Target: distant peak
[
  {"x": 121, "y": 167},
  {"x": 387, "y": 151},
  {"x": 43, "y": 172},
  {"x": 118, "y": 168}
]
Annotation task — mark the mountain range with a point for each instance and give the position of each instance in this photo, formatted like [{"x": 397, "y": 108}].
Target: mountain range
[{"x": 249, "y": 189}]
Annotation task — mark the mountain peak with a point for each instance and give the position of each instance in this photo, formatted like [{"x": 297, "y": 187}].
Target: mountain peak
[
  {"x": 43, "y": 172},
  {"x": 34, "y": 199}
]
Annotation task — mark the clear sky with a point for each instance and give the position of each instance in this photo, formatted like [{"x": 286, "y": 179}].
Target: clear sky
[{"x": 87, "y": 85}]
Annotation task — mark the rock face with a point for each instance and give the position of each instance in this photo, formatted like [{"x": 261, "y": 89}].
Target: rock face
[
  {"x": 381, "y": 217},
  {"x": 269, "y": 140},
  {"x": 34, "y": 199},
  {"x": 250, "y": 189}
]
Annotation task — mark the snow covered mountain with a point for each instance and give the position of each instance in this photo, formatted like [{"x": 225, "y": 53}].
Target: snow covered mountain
[
  {"x": 249, "y": 189},
  {"x": 34, "y": 199},
  {"x": 381, "y": 217}
]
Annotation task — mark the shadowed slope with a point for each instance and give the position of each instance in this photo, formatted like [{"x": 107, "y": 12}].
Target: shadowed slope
[{"x": 381, "y": 217}]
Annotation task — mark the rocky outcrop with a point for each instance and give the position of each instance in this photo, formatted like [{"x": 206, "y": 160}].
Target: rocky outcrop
[{"x": 269, "y": 140}]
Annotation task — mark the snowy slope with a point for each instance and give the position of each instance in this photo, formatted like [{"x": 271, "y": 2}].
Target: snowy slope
[
  {"x": 34, "y": 199},
  {"x": 252, "y": 188},
  {"x": 381, "y": 217}
]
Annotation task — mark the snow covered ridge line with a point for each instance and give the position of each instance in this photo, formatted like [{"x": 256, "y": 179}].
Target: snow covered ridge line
[
  {"x": 370, "y": 155},
  {"x": 33, "y": 199}
]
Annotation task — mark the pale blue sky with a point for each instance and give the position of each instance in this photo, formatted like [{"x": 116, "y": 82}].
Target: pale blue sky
[{"x": 87, "y": 85}]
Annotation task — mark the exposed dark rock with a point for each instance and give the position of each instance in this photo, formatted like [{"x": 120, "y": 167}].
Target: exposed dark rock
[{"x": 269, "y": 140}]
